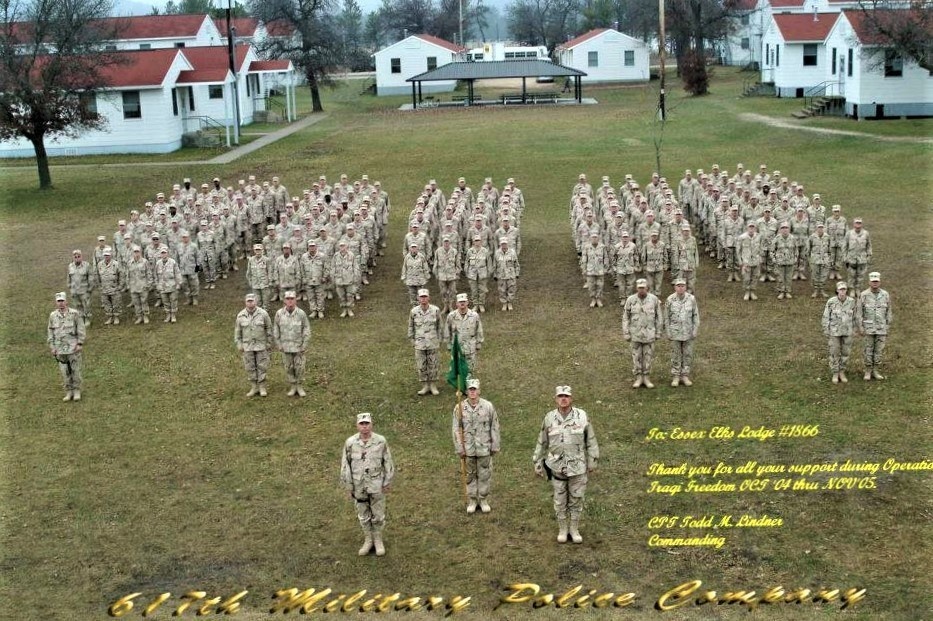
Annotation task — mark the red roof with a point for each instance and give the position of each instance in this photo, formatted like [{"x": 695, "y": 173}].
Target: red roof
[
  {"x": 784, "y": 4},
  {"x": 139, "y": 67},
  {"x": 866, "y": 30},
  {"x": 269, "y": 65},
  {"x": 584, "y": 37},
  {"x": 215, "y": 57},
  {"x": 155, "y": 26},
  {"x": 244, "y": 26},
  {"x": 800, "y": 27},
  {"x": 440, "y": 42}
]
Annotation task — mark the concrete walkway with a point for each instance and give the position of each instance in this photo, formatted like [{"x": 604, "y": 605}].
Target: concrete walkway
[
  {"x": 235, "y": 154},
  {"x": 224, "y": 158}
]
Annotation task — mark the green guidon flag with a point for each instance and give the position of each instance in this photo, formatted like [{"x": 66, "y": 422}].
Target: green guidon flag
[{"x": 459, "y": 367}]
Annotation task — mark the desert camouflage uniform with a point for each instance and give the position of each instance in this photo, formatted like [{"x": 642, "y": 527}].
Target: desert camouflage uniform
[
  {"x": 873, "y": 318},
  {"x": 654, "y": 262},
  {"x": 683, "y": 323},
  {"x": 110, "y": 278},
  {"x": 476, "y": 437},
  {"x": 253, "y": 337},
  {"x": 447, "y": 272},
  {"x": 819, "y": 252},
  {"x": 507, "y": 271},
  {"x": 66, "y": 333},
  {"x": 292, "y": 334},
  {"x": 259, "y": 278},
  {"x": 80, "y": 285},
  {"x": 476, "y": 270},
  {"x": 167, "y": 280},
  {"x": 838, "y": 326},
  {"x": 594, "y": 262},
  {"x": 139, "y": 281},
  {"x": 857, "y": 256},
  {"x": 627, "y": 262},
  {"x": 642, "y": 321},
  {"x": 784, "y": 252},
  {"x": 315, "y": 270},
  {"x": 567, "y": 446},
  {"x": 416, "y": 272},
  {"x": 187, "y": 259},
  {"x": 470, "y": 328},
  {"x": 366, "y": 471},
  {"x": 425, "y": 331}
]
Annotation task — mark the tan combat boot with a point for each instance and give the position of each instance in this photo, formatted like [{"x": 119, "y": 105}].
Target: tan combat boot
[
  {"x": 647, "y": 382},
  {"x": 575, "y": 535},
  {"x": 262, "y": 390},
  {"x": 433, "y": 388},
  {"x": 562, "y": 530},
  {"x": 291, "y": 392},
  {"x": 685, "y": 380},
  {"x": 367, "y": 544},
  {"x": 675, "y": 382},
  {"x": 172, "y": 318},
  {"x": 254, "y": 390},
  {"x": 116, "y": 320},
  {"x": 379, "y": 545},
  {"x": 138, "y": 321},
  {"x": 471, "y": 507},
  {"x": 75, "y": 395},
  {"x": 638, "y": 382},
  {"x": 843, "y": 378},
  {"x": 424, "y": 389},
  {"x": 836, "y": 378},
  {"x": 68, "y": 396},
  {"x": 876, "y": 375},
  {"x": 146, "y": 318},
  {"x": 484, "y": 506},
  {"x": 300, "y": 391}
]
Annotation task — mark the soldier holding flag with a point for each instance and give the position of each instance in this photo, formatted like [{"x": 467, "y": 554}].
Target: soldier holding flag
[{"x": 476, "y": 440}]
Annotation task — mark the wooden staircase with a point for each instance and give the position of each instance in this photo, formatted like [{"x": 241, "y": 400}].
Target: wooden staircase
[
  {"x": 758, "y": 89},
  {"x": 822, "y": 106}
]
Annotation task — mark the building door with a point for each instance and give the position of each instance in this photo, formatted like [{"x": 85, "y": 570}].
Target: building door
[{"x": 842, "y": 75}]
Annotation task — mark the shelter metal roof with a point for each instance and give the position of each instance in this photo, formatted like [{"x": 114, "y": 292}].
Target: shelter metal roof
[{"x": 494, "y": 69}]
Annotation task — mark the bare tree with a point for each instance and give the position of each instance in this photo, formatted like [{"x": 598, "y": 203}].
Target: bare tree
[
  {"x": 51, "y": 62},
  {"x": 302, "y": 31},
  {"x": 543, "y": 22},
  {"x": 906, "y": 31},
  {"x": 692, "y": 24}
]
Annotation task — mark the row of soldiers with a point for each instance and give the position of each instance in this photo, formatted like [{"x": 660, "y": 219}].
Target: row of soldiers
[
  {"x": 760, "y": 232},
  {"x": 321, "y": 244},
  {"x": 471, "y": 235}
]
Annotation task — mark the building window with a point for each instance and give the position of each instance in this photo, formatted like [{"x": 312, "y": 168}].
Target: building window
[
  {"x": 893, "y": 64},
  {"x": 432, "y": 63},
  {"x": 215, "y": 91},
  {"x": 131, "y": 106},
  {"x": 744, "y": 20},
  {"x": 180, "y": 44},
  {"x": 145, "y": 46},
  {"x": 745, "y": 43},
  {"x": 396, "y": 65},
  {"x": 88, "y": 102},
  {"x": 809, "y": 54},
  {"x": 849, "y": 66},
  {"x": 768, "y": 53},
  {"x": 509, "y": 55},
  {"x": 592, "y": 59},
  {"x": 191, "y": 98},
  {"x": 110, "y": 47},
  {"x": 777, "y": 55},
  {"x": 174, "y": 102},
  {"x": 834, "y": 62},
  {"x": 628, "y": 58}
]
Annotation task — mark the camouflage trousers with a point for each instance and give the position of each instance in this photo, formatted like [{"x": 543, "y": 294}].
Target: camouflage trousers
[
  {"x": 785, "y": 275},
  {"x": 818, "y": 274},
  {"x": 479, "y": 288},
  {"x": 69, "y": 365},
  {"x": 479, "y": 476},
  {"x": 263, "y": 296},
  {"x": 857, "y": 273},
  {"x": 448, "y": 293},
  {"x": 750, "y": 274},
  {"x": 294, "y": 366},
  {"x": 873, "y": 349},
  {"x": 732, "y": 263},
  {"x": 681, "y": 357},
  {"x": 256, "y": 363},
  {"x": 208, "y": 265},
  {"x": 191, "y": 285},
  {"x": 802, "y": 259},
  {"x": 507, "y": 289},
  {"x": 316, "y": 295},
  {"x": 655, "y": 281},
  {"x": 371, "y": 511},
  {"x": 626, "y": 285},
  {"x": 839, "y": 348},
  {"x": 642, "y": 356},
  {"x": 413, "y": 294},
  {"x": 140, "y": 301},
  {"x": 426, "y": 363},
  {"x": 835, "y": 258},
  {"x": 169, "y": 300},
  {"x": 595, "y": 285},
  {"x": 228, "y": 257},
  {"x": 346, "y": 295},
  {"x": 112, "y": 303},
  {"x": 83, "y": 302},
  {"x": 767, "y": 264},
  {"x": 568, "y": 496}
]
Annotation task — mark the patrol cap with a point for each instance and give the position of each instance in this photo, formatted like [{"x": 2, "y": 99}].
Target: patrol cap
[
  {"x": 874, "y": 277},
  {"x": 785, "y": 225},
  {"x": 164, "y": 250},
  {"x": 510, "y": 180},
  {"x": 257, "y": 246},
  {"x": 767, "y": 207},
  {"x": 365, "y": 417},
  {"x": 593, "y": 234},
  {"x": 270, "y": 227},
  {"x": 290, "y": 294},
  {"x": 641, "y": 282},
  {"x": 186, "y": 180},
  {"x": 461, "y": 179},
  {"x": 816, "y": 197},
  {"x": 185, "y": 234},
  {"x": 101, "y": 238},
  {"x": 472, "y": 383},
  {"x": 859, "y": 220},
  {"x": 563, "y": 391},
  {"x": 342, "y": 242},
  {"x": 76, "y": 252},
  {"x": 312, "y": 242},
  {"x": 625, "y": 234},
  {"x": 351, "y": 227},
  {"x": 477, "y": 238},
  {"x": 127, "y": 236},
  {"x": 463, "y": 297},
  {"x": 60, "y": 296},
  {"x": 287, "y": 245},
  {"x": 250, "y": 297},
  {"x": 413, "y": 245},
  {"x": 680, "y": 281},
  {"x": 203, "y": 223},
  {"x": 423, "y": 293},
  {"x": 505, "y": 240},
  {"x": 446, "y": 238},
  {"x": 155, "y": 236},
  {"x": 108, "y": 251},
  {"x": 137, "y": 249},
  {"x": 841, "y": 285},
  {"x": 837, "y": 208},
  {"x": 820, "y": 225},
  {"x": 160, "y": 195},
  {"x": 655, "y": 233}
]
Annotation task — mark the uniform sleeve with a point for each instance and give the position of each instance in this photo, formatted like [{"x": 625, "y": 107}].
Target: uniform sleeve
[
  {"x": 50, "y": 332},
  {"x": 411, "y": 325},
  {"x": 827, "y": 312},
  {"x": 455, "y": 428},
  {"x": 346, "y": 476},
  {"x": 388, "y": 467},
  {"x": 889, "y": 316},
  {"x": 542, "y": 445},
  {"x": 306, "y": 331},
  {"x": 626, "y": 312},
  {"x": 276, "y": 329},
  {"x": 696, "y": 319},
  {"x": 592, "y": 448},
  {"x": 80, "y": 329},
  {"x": 494, "y": 432},
  {"x": 481, "y": 337}
]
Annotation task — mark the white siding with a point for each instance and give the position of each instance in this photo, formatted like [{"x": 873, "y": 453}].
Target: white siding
[
  {"x": 610, "y": 48},
  {"x": 413, "y": 56},
  {"x": 207, "y": 35},
  {"x": 783, "y": 65}
]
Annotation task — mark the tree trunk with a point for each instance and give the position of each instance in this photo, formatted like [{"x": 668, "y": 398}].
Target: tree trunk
[
  {"x": 42, "y": 162},
  {"x": 315, "y": 91}
]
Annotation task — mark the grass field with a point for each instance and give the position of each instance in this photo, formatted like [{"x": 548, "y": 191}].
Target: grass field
[{"x": 165, "y": 478}]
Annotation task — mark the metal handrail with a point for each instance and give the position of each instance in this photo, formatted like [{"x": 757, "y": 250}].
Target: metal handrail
[{"x": 811, "y": 93}]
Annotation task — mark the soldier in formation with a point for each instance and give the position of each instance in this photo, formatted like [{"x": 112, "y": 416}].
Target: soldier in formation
[
  {"x": 291, "y": 332},
  {"x": 425, "y": 331},
  {"x": 476, "y": 440},
  {"x": 253, "y": 336},
  {"x": 468, "y": 325},
  {"x": 873, "y": 319},
  {"x": 366, "y": 472},
  {"x": 65, "y": 336},
  {"x": 838, "y": 327},
  {"x": 682, "y": 320},
  {"x": 642, "y": 322}
]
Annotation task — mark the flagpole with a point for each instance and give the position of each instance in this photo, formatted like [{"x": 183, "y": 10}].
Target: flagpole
[{"x": 463, "y": 472}]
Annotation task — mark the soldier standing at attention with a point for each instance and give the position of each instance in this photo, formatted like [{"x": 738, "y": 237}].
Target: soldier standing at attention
[
  {"x": 167, "y": 282},
  {"x": 139, "y": 281},
  {"x": 425, "y": 331},
  {"x": 748, "y": 254},
  {"x": 683, "y": 323},
  {"x": 416, "y": 271},
  {"x": 80, "y": 284},
  {"x": 476, "y": 270},
  {"x": 784, "y": 252},
  {"x": 253, "y": 336},
  {"x": 366, "y": 471},
  {"x": 259, "y": 275},
  {"x": 506, "y": 271},
  {"x": 292, "y": 333},
  {"x": 857, "y": 253},
  {"x": 838, "y": 327},
  {"x": 468, "y": 325},
  {"x": 111, "y": 279},
  {"x": 476, "y": 439},
  {"x": 626, "y": 262},
  {"x": 819, "y": 253},
  {"x": 66, "y": 336},
  {"x": 566, "y": 452},
  {"x": 642, "y": 321},
  {"x": 594, "y": 260},
  {"x": 873, "y": 318}
]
